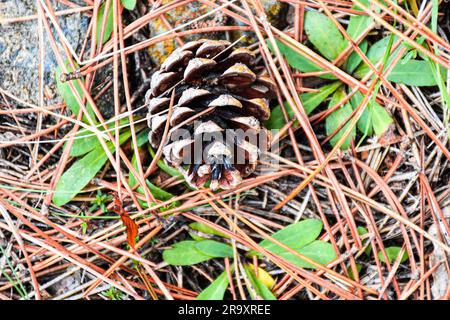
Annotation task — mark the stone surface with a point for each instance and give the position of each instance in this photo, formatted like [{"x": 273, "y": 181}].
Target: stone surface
[{"x": 19, "y": 48}]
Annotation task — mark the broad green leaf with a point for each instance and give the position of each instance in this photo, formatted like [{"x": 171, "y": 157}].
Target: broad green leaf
[
  {"x": 375, "y": 54},
  {"x": 392, "y": 254},
  {"x": 184, "y": 253},
  {"x": 357, "y": 24},
  {"x": 214, "y": 249},
  {"x": 196, "y": 237},
  {"x": 320, "y": 251},
  {"x": 69, "y": 98},
  {"x": 109, "y": 23},
  {"x": 364, "y": 123},
  {"x": 375, "y": 118},
  {"x": 216, "y": 290},
  {"x": 294, "y": 236},
  {"x": 365, "y": 3},
  {"x": 82, "y": 172},
  {"x": 324, "y": 35},
  {"x": 299, "y": 62},
  {"x": 78, "y": 176},
  {"x": 265, "y": 278},
  {"x": 83, "y": 144},
  {"x": 310, "y": 101},
  {"x": 354, "y": 59},
  {"x": 129, "y": 4},
  {"x": 203, "y": 228},
  {"x": 335, "y": 119},
  {"x": 413, "y": 73},
  {"x": 350, "y": 270},
  {"x": 381, "y": 119},
  {"x": 362, "y": 231},
  {"x": 89, "y": 142},
  {"x": 260, "y": 288}
]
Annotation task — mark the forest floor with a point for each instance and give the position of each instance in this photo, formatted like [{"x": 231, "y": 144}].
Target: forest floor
[{"x": 351, "y": 202}]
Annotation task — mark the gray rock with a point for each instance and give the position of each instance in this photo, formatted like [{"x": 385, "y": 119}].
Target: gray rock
[{"x": 19, "y": 48}]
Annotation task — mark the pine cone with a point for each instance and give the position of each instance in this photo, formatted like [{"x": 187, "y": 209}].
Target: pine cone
[{"x": 215, "y": 128}]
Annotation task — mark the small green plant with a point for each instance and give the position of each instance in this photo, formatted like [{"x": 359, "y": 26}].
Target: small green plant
[
  {"x": 392, "y": 255},
  {"x": 100, "y": 201},
  {"x": 326, "y": 38},
  {"x": 391, "y": 252},
  {"x": 84, "y": 224},
  {"x": 301, "y": 237},
  {"x": 112, "y": 294}
]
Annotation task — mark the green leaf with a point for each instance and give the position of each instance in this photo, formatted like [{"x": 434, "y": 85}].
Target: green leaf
[
  {"x": 363, "y": 231},
  {"x": 265, "y": 278},
  {"x": 214, "y": 249},
  {"x": 324, "y": 35},
  {"x": 157, "y": 192},
  {"x": 392, "y": 254},
  {"x": 295, "y": 236},
  {"x": 299, "y": 62},
  {"x": 413, "y": 73},
  {"x": 375, "y": 54},
  {"x": 350, "y": 270},
  {"x": 216, "y": 290},
  {"x": 129, "y": 4},
  {"x": 69, "y": 98},
  {"x": 364, "y": 123},
  {"x": 82, "y": 172},
  {"x": 78, "y": 176},
  {"x": 335, "y": 119},
  {"x": 196, "y": 237},
  {"x": 356, "y": 26},
  {"x": 310, "y": 101},
  {"x": 85, "y": 144},
  {"x": 366, "y": 3},
  {"x": 260, "y": 288},
  {"x": 409, "y": 56},
  {"x": 190, "y": 252},
  {"x": 203, "y": 228},
  {"x": 109, "y": 23},
  {"x": 142, "y": 138},
  {"x": 184, "y": 253},
  {"x": 320, "y": 251},
  {"x": 374, "y": 118},
  {"x": 381, "y": 119},
  {"x": 300, "y": 237},
  {"x": 354, "y": 59}
]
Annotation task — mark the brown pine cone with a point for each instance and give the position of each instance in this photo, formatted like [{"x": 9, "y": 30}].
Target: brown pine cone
[{"x": 215, "y": 128}]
